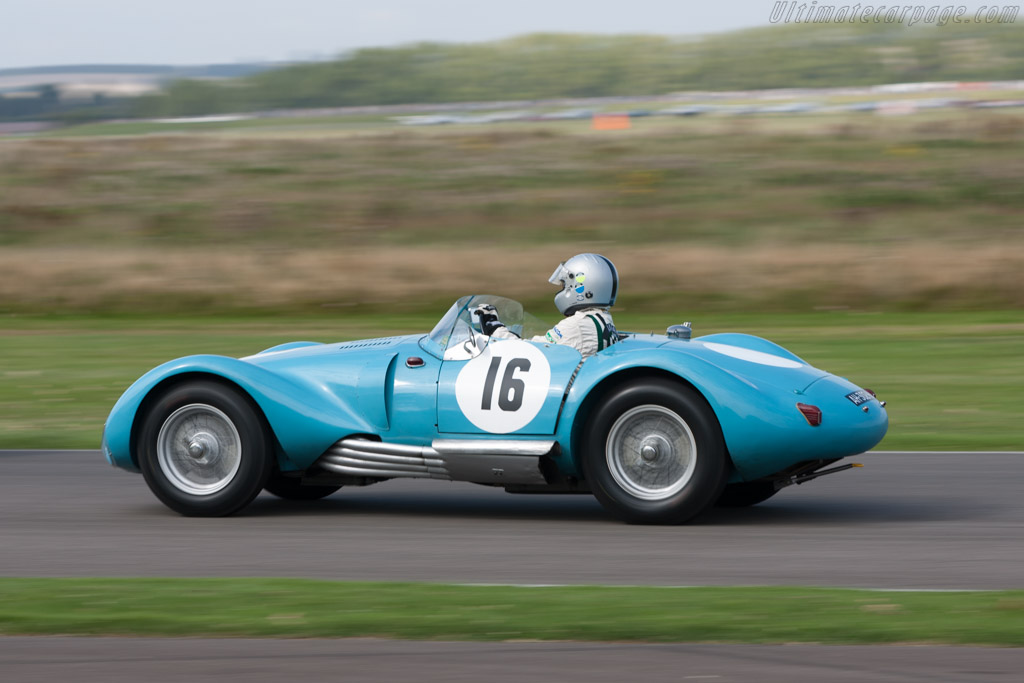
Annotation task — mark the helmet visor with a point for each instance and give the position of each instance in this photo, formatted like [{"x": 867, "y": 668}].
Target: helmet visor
[{"x": 559, "y": 276}]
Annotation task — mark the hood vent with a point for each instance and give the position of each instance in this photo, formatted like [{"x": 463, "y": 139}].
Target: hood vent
[{"x": 366, "y": 343}]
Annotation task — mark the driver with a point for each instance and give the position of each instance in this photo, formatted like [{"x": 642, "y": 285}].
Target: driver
[{"x": 589, "y": 285}]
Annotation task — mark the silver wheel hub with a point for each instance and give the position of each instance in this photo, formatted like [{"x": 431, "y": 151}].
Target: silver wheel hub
[
  {"x": 198, "y": 449},
  {"x": 652, "y": 447},
  {"x": 203, "y": 445},
  {"x": 651, "y": 452}
]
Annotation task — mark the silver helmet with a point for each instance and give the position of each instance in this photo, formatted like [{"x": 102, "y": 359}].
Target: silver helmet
[{"x": 587, "y": 280}]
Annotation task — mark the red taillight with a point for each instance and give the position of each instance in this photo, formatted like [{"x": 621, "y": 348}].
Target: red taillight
[
  {"x": 812, "y": 413},
  {"x": 871, "y": 392}
]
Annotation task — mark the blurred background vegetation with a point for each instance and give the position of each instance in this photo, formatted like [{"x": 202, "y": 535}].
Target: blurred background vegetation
[
  {"x": 553, "y": 66},
  {"x": 908, "y": 213},
  {"x": 885, "y": 248},
  {"x": 546, "y": 66}
]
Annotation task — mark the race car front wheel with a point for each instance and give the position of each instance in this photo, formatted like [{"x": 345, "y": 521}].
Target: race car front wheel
[
  {"x": 653, "y": 453},
  {"x": 204, "y": 449}
]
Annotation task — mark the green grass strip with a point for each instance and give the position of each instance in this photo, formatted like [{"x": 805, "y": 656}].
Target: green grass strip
[
  {"x": 298, "y": 608},
  {"x": 953, "y": 381}
]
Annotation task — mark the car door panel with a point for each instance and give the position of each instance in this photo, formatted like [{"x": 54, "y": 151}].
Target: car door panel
[{"x": 511, "y": 387}]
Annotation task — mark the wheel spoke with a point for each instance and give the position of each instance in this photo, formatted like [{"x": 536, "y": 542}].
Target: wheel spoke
[
  {"x": 651, "y": 452},
  {"x": 199, "y": 449}
]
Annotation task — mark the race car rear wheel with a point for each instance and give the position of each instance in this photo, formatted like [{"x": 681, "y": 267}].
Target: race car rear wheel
[
  {"x": 653, "y": 453},
  {"x": 204, "y": 449},
  {"x": 292, "y": 488}
]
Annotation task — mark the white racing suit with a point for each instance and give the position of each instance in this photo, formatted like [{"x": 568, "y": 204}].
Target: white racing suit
[{"x": 588, "y": 331}]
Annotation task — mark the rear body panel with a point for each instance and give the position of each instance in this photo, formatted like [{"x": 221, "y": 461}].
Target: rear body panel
[{"x": 753, "y": 386}]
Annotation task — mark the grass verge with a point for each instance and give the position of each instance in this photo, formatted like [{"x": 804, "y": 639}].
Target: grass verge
[
  {"x": 298, "y": 608},
  {"x": 953, "y": 381}
]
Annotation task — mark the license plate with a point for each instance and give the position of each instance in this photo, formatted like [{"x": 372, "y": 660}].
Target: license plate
[{"x": 860, "y": 396}]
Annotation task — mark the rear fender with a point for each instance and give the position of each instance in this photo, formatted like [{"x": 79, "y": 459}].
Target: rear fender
[
  {"x": 752, "y": 342},
  {"x": 754, "y": 421},
  {"x": 600, "y": 374}
]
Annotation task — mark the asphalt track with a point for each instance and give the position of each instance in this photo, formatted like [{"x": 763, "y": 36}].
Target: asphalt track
[
  {"x": 925, "y": 521},
  {"x": 107, "y": 660}
]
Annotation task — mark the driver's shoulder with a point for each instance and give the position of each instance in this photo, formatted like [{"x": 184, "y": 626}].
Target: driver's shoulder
[{"x": 589, "y": 312}]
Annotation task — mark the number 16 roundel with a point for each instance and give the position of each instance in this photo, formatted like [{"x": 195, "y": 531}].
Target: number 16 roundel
[{"x": 503, "y": 389}]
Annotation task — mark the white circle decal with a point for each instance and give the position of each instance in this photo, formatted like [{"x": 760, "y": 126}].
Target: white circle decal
[{"x": 504, "y": 388}]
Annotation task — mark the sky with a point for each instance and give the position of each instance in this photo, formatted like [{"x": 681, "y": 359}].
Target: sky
[
  {"x": 180, "y": 32},
  {"x": 51, "y": 32}
]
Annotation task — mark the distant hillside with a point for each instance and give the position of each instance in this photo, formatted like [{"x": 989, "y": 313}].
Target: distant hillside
[
  {"x": 547, "y": 66},
  {"x": 159, "y": 70},
  {"x": 560, "y": 65},
  {"x": 95, "y": 91}
]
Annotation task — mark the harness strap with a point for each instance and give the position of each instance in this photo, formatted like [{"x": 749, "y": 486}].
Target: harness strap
[{"x": 600, "y": 332}]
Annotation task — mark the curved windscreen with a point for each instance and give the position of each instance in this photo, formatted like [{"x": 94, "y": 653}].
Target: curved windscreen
[{"x": 457, "y": 325}]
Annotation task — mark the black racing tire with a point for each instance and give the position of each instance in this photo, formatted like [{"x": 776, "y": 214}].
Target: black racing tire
[
  {"x": 204, "y": 449},
  {"x": 653, "y": 452},
  {"x": 292, "y": 488},
  {"x": 746, "y": 493}
]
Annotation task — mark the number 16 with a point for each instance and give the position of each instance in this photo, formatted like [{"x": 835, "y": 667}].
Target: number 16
[{"x": 510, "y": 395}]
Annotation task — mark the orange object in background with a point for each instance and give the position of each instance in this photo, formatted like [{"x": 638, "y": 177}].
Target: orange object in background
[{"x": 610, "y": 122}]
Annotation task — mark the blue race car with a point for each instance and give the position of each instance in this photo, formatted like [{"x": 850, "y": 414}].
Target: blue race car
[{"x": 657, "y": 427}]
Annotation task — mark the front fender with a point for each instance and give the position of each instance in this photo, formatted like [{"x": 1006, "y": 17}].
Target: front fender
[{"x": 305, "y": 417}]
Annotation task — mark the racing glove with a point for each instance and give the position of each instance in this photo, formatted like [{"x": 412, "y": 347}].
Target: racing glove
[{"x": 487, "y": 315}]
